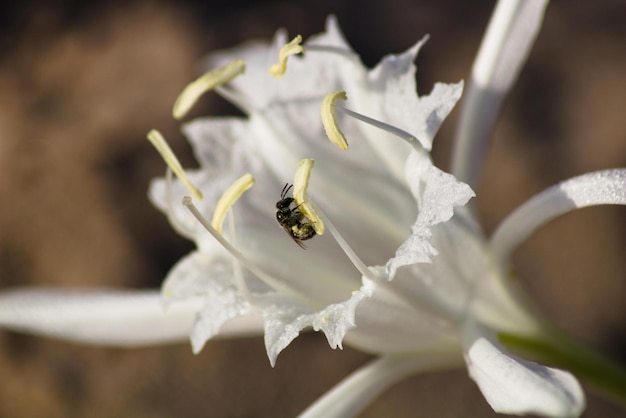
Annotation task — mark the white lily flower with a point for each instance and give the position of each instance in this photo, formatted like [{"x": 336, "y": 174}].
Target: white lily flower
[{"x": 403, "y": 271}]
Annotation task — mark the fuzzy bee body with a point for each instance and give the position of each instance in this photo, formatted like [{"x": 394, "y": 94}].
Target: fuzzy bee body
[{"x": 292, "y": 220}]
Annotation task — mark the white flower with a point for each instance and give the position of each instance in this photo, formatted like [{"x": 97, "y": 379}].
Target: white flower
[
  {"x": 403, "y": 272},
  {"x": 364, "y": 192}
]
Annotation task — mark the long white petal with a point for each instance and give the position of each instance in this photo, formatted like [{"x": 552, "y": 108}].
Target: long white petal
[
  {"x": 511, "y": 33},
  {"x": 358, "y": 390},
  {"x": 599, "y": 188},
  {"x": 516, "y": 386},
  {"x": 107, "y": 317}
]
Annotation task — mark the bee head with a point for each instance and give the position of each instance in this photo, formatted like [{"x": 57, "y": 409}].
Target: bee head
[{"x": 284, "y": 203}]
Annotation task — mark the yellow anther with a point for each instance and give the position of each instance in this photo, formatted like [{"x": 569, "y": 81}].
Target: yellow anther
[
  {"x": 300, "y": 184},
  {"x": 172, "y": 162},
  {"x": 292, "y": 48},
  {"x": 204, "y": 83},
  {"x": 229, "y": 198},
  {"x": 329, "y": 119}
]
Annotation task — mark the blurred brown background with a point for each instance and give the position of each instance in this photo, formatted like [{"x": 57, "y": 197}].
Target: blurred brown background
[{"x": 82, "y": 82}]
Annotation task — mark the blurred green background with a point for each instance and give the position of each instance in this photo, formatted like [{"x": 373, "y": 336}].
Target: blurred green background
[{"x": 82, "y": 82}]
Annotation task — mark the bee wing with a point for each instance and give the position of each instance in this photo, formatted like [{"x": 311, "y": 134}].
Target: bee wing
[
  {"x": 296, "y": 240},
  {"x": 300, "y": 243}
]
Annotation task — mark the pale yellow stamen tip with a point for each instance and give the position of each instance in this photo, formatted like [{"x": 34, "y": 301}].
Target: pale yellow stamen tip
[
  {"x": 292, "y": 48},
  {"x": 172, "y": 162},
  {"x": 329, "y": 120},
  {"x": 300, "y": 184},
  {"x": 206, "y": 82},
  {"x": 229, "y": 198}
]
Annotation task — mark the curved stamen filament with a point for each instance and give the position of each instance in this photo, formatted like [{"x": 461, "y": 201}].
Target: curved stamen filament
[
  {"x": 178, "y": 227},
  {"x": 402, "y": 134},
  {"x": 237, "y": 270},
  {"x": 349, "y": 252}
]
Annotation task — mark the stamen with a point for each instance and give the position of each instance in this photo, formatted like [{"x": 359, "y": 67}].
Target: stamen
[
  {"x": 178, "y": 227},
  {"x": 204, "y": 83},
  {"x": 329, "y": 119},
  {"x": 172, "y": 162},
  {"x": 269, "y": 280},
  {"x": 237, "y": 270},
  {"x": 380, "y": 125},
  {"x": 300, "y": 184},
  {"x": 369, "y": 273},
  {"x": 352, "y": 256},
  {"x": 229, "y": 198},
  {"x": 292, "y": 48}
]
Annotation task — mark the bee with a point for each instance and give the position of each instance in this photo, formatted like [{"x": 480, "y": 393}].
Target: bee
[{"x": 292, "y": 220}]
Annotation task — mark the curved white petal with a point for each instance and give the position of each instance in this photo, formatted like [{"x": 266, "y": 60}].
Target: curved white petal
[
  {"x": 599, "y": 188},
  {"x": 284, "y": 320},
  {"x": 212, "y": 279},
  {"x": 105, "y": 317},
  {"x": 516, "y": 386},
  {"x": 217, "y": 311},
  {"x": 437, "y": 194},
  {"x": 357, "y": 391},
  {"x": 511, "y": 33}
]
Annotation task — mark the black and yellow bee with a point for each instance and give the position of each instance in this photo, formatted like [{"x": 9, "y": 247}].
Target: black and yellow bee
[{"x": 292, "y": 220}]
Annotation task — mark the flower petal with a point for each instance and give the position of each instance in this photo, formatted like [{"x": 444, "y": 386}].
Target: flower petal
[
  {"x": 357, "y": 391},
  {"x": 284, "y": 320},
  {"x": 212, "y": 278},
  {"x": 105, "y": 317},
  {"x": 392, "y": 87},
  {"x": 511, "y": 33},
  {"x": 599, "y": 188},
  {"x": 388, "y": 93},
  {"x": 516, "y": 386},
  {"x": 394, "y": 321},
  {"x": 437, "y": 194}
]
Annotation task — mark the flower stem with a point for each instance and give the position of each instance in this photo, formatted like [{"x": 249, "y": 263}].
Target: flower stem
[{"x": 563, "y": 351}]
